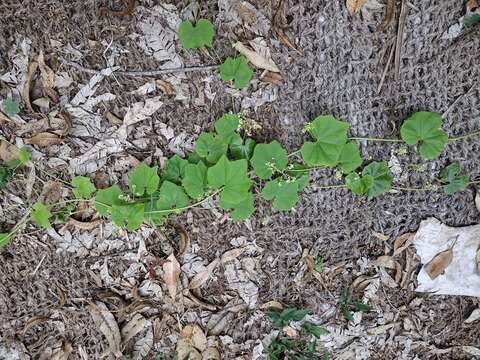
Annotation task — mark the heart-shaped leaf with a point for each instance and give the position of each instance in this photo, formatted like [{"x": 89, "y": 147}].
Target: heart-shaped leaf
[
  {"x": 382, "y": 180},
  {"x": 83, "y": 187},
  {"x": 453, "y": 179},
  {"x": 143, "y": 179},
  {"x": 41, "y": 214},
  {"x": 171, "y": 196},
  {"x": 227, "y": 127},
  {"x": 194, "y": 37},
  {"x": 174, "y": 169},
  {"x": 130, "y": 215},
  {"x": 211, "y": 147},
  {"x": 242, "y": 149},
  {"x": 195, "y": 180},
  {"x": 236, "y": 69},
  {"x": 268, "y": 158},
  {"x": 242, "y": 210},
  {"x": 350, "y": 158}
]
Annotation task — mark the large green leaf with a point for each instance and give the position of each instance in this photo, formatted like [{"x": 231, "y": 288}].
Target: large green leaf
[
  {"x": 331, "y": 137},
  {"x": 232, "y": 177},
  {"x": 350, "y": 157},
  {"x": 41, "y": 214},
  {"x": 227, "y": 127},
  {"x": 83, "y": 187},
  {"x": 195, "y": 180},
  {"x": 211, "y": 147},
  {"x": 174, "y": 169},
  {"x": 143, "y": 179},
  {"x": 283, "y": 193},
  {"x": 172, "y": 196},
  {"x": 129, "y": 215},
  {"x": 242, "y": 210},
  {"x": 425, "y": 128},
  {"x": 268, "y": 158},
  {"x": 242, "y": 149},
  {"x": 194, "y": 37},
  {"x": 453, "y": 179},
  {"x": 382, "y": 179},
  {"x": 106, "y": 198},
  {"x": 236, "y": 69},
  {"x": 359, "y": 185}
]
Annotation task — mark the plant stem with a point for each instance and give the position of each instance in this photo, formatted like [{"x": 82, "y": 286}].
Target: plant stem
[
  {"x": 325, "y": 187},
  {"x": 461, "y": 137},
  {"x": 376, "y": 139},
  {"x": 169, "y": 211},
  {"x": 294, "y": 153}
]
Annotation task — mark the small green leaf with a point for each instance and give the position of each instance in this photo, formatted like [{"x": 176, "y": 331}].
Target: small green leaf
[
  {"x": 24, "y": 155},
  {"x": 232, "y": 177},
  {"x": 5, "y": 174},
  {"x": 453, "y": 179},
  {"x": 315, "y": 330},
  {"x": 360, "y": 306},
  {"x": 242, "y": 210},
  {"x": 41, "y": 214},
  {"x": 471, "y": 20},
  {"x": 11, "y": 107},
  {"x": 106, "y": 198},
  {"x": 194, "y": 37},
  {"x": 131, "y": 215},
  {"x": 268, "y": 158},
  {"x": 5, "y": 239},
  {"x": 174, "y": 169},
  {"x": 331, "y": 137},
  {"x": 83, "y": 187},
  {"x": 358, "y": 185},
  {"x": 346, "y": 313},
  {"x": 425, "y": 128},
  {"x": 227, "y": 127},
  {"x": 283, "y": 193},
  {"x": 211, "y": 147},
  {"x": 143, "y": 179},
  {"x": 280, "y": 319},
  {"x": 350, "y": 158},
  {"x": 236, "y": 69},
  {"x": 382, "y": 180},
  {"x": 319, "y": 264},
  {"x": 171, "y": 197},
  {"x": 195, "y": 180},
  {"x": 242, "y": 149}
]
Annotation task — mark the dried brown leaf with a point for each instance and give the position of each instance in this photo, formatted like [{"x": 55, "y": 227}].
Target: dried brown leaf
[
  {"x": 402, "y": 242},
  {"x": 199, "y": 279},
  {"x": 171, "y": 275},
  {"x": 34, "y": 321},
  {"x": 472, "y": 5},
  {"x": 385, "y": 261},
  {"x": 84, "y": 225},
  {"x": 232, "y": 254},
  {"x": 65, "y": 115},
  {"x": 133, "y": 327},
  {"x": 286, "y": 40},
  {"x": 8, "y": 152},
  {"x": 439, "y": 263},
  {"x": 256, "y": 59},
  {"x": 165, "y": 87},
  {"x": 290, "y": 332},
  {"x": 63, "y": 353},
  {"x": 108, "y": 326},
  {"x": 211, "y": 353},
  {"x": 47, "y": 74},
  {"x": 113, "y": 119},
  {"x": 143, "y": 345},
  {"x": 44, "y": 139},
  {"x": 389, "y": 15},
  {"x": 354, "y": 6},
  {"x": 52, "y": 192},
  {"x": 25, "y": 93},
  {"x": 4, "y": 118},
  {"x": 186, "y": 351},
  {"x": 271, "y": 305},
  {"x": 195, "y": 336},
  {"x": 272, "y": 78}
]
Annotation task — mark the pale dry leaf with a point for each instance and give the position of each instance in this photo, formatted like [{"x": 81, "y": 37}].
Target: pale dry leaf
[
  {"x": 256, "y": 59},
  {"x": 211, "y": 353},
  {"x": 142, "y": 110},
  {"x": 471, "y": 350},
  {"x": 439, "y": 263},
  {"x": 84, "y": 225},
  {"x": 402, "y": 242},
  {"x": 232, "y": 254},
  {"x": 271, "y": 305},
  {"x": 144, "y": 344},
  {"x": 44, "y": 139},
  {"x": 290, "y": 332},
  {"x": 354, "y": 6},
  {"x": 380, "y": 236},
  {"x": 113, "y": 119},
  {"x": 133, "y": 327},
  {"x": 477, "y": 260},
  {"x": 171, "y": 275},
  {"x": 271, "y": 78},
  {"x": 194, "y": 334},
  {"x": 25, "y": 93},
  {"x": 63, "y": 352},
  {"x": 199, "y": 279},
  {"x": 43, "y": 103},
  {"x": 108, "y": 326},
  {"x": 385, "y": 261},
  {"x": 47, "y": 74},
  {"x": 477, "y": 201},
  {"x": 186, "y": 351},
  {"x": 474, "y": 316},
  {"x": 8, "y": 152},
  {"x": 52, "y": 192}
]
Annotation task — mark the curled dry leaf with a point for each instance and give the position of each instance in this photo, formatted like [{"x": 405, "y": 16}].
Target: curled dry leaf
[
  {"x": 290, "y": 332},
  {"x": 385, "y": 261},
  {"x": 402, "y": 242},
  {"x": 477, "y": 259},
  {"x": 186, "y": 351},
  {"x": 25, "y": 93},
  {"x": 439, "y": 263},
  {"x": 256, "y": 59},
  {"x": 380, "y": 236},
  {"x": 84, "y": 225},
  {"x": 133, "y": 327},
  {"x": 65, "y": 115},
  {"x": 361, "y": 282},
  {"x": 477, "y": 201},
  {"x": 272, "y": 78},
  {"x": 44, "y": 139},
  {"x": 474, "y": 316},
  {"x": 232, "y": 254},
  {"x": 8, "y": 152},
  {"x": 34, "y": 321},
  {"x": 171, "y": 275},
  {"x": 271, "y": 305},
  {"x": 195, "y": 336},
  {"x": 108, "y": 326},
  {"x": 211, "y": 353},
  {"x": 389, "y": 15},
  {"x": 354, "y": 6},
  {"x": 199, "y": 279},
  {"x": 47, "y": 74}
]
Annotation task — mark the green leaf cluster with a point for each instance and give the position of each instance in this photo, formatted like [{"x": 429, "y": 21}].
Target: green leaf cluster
[
  {"x": 344, "y": 305},
  {"x": 194, "y": 37},
  {"x": 453, "y": 179},
  {"x": 7, "y": 170},
  {"x": 374, "y": 180}
]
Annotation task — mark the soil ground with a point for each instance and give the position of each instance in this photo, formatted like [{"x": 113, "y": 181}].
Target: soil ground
[{"x": 45, "y": 291}]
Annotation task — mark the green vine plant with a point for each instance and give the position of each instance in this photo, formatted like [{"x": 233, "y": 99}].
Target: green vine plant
[{"x": 226, "y": 163}]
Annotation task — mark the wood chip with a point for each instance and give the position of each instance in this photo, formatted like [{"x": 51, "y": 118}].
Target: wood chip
[
  {"x": 211, "y": 353},
  {"x": 186, "y": 351},
  {"x": 171, "y": 275},
  {"x": 380, "y": 236},
  {"x": 232, "y": 254},
  {"x": 84, "y": 225},
  {"x": 354, "y": 6},
  {"x": 47, "y": 74}
]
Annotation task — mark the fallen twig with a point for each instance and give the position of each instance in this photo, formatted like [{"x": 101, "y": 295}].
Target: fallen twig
[
  {"x": 143, "y": 73},
  {"x": 389, "y": 15},
  {"x": 400, "y": 32},
  {"x": 387, "y": 66}
]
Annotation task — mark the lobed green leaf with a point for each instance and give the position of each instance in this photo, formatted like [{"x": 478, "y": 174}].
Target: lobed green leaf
[
  {"x": 10, "y": 107},
  {"x": 236, "y": 69},
  {"x": 195, "y": 180},
  {"x": 172, "y": 197},
  {"x": 129, "y": 215},
  {"x": 174, "y": 169},
  {"x": 241, "y": 210},
  {"x": 143, "y": 179},
  {"x": 242, "y": 149},
  {"x": 227, "y": 127},
  {"x": 41, "y": 215},
  {"x": 382, "y": 179},
  {"x": 284, "y": 193},
  {"x": 268, "y": 158},
  {"x": 194, "y": 37},
  {"x": 106, "y": 198},
  {"x": 350, "y": 158},
  {"x": 453, "y": 179},
  {"x": 211, "y": 147},
  {"x": 83, "y": 187}
]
